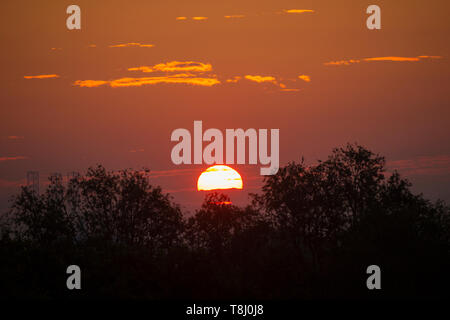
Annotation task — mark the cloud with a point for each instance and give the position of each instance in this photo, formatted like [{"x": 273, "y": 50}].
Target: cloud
[
  {"x": 274, "y": 81},
  {"x": 192, "y": 18},
  {"x": 234, "y": 16},
  {"x": 170, "y": 191},
  {"x": 178, "y": 78},
  {"x": 183, "y": 72},
  {"x": 92, "y": 46},
  {"x": 136, "y": 150},
  {"x": 290, "y": 90},
  {"x": 305, "y": 78},
  {"x": 15, "y": 137},
  {"x": 137, "y": 82},
  {"x": 429, "y": 57},
  {"x": 90, "y": 83},
  {"x": 185, "y": 75},
  {"x": 240, "y": 16},
  {"x": 269, "y": 79},
  {"x": 172, "y": 172},
  {"x": 424, "y": 165},
  {"x": 142, "y": 68},
  {"x": 234, "y": 79},
  {"x": 132, "y": 44},
  {"x": 389, "y": 58},
  {"x": 401, "y": 59},
  {"x": 12, "y": 158},
  {"x": 176, "y": 66},
  {"x": 341, "y": 62},
  {"x": 261, "y": 79},
  {"x": 42, "y": 76},
  {"x": 298, "y": 11},
  {"x": 8, "y": 184}
]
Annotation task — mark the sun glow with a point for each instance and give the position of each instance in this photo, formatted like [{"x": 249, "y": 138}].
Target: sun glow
[{"x": 219, "y": 177}]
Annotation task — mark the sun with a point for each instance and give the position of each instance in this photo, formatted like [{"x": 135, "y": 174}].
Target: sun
[{"x": 219, "y": 177}]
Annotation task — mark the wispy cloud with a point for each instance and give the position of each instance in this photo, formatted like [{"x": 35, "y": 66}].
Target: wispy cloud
[
  {"x": 175, "y": 66},
  {"x": 298, "y": 11},
  {"x": 176, "y": 72},
  {"x": 240, "y": 16},
  {"x": 172, "y": 172},
  {"x": 170, "y": 191},
  {"x": 132, "y": 44},
  {"x": 342, "y": 62},
  {"x": 90, "y": 83},
  {"x": 425, "y": 165},
  {"x": 8, "y": 184},
  {"x": 15, "y": 137},
  {"x": 261, "y": 79},
  {"x": 429, "y": 57},
  {"x": 137, "y": 82},
  {"x": 182, "y": 18},
  {"x": 305, "y": 78},
  {"x": 234, "y": 16},
  {"x": 136, "y": 150},
  {"x": 184, "y": 72},
  {"x": 290, "y": 89},
  {"x": 173, "y": 79},
  {"x": 400, "y": 59},
  {"x": 2, "y": 159},
  {"x": 389, "y": 58},
  {"x": 234, "y": 79},
  {"x": 42, "y": 76},
  {"x": 270, "y": 80},
  {"x": 12, "y": 184}
]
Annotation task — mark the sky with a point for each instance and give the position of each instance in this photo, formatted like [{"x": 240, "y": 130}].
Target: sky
[{"x": 112, "y": 92}]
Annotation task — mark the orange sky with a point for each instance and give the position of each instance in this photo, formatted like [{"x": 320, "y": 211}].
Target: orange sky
[{"x": 113, "y": 92}]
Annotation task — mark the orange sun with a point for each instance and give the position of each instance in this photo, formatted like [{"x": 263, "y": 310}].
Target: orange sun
[{"x": 219, "y": 177}]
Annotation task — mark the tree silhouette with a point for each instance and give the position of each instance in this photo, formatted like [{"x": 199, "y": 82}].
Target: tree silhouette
[
  {"x": 213, "y": 227},
  {"x": 42, "y": 219},
  {"x": 121, "y": 208},
  {"x": 347, "y": 211},
  {"x": 311, "y": 233}
]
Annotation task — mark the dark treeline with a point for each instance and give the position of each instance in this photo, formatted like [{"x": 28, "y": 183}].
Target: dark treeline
[{"x": 310, "y": 233}]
